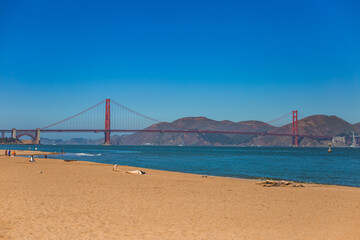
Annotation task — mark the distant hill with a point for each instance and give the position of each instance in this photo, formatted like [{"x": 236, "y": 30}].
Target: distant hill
[
  {"x": 195, "y": 123},
  {"x": 313, "y": 125},
  {"x": 73, "y": 141},
  {"x": 357, "y": 125}
]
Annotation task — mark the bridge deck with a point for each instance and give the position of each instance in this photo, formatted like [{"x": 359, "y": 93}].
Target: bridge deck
[{"x": 176, "y": 131}]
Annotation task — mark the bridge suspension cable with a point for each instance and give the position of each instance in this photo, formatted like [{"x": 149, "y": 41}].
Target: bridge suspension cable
[
  {"x": 301, "y": 115},
  {"x": 134, "y": 112},
  {"x": 76, "y": 115},
  {"x": 279, "y": 118}
]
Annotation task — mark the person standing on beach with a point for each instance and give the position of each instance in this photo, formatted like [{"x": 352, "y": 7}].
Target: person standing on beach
[
  {"x": 32, "y": 159},
  {"x": 9, "y": 152},
  {"x": 5, "y": 152}
]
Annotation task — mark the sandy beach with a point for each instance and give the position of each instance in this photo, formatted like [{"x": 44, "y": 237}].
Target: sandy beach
[
  {"x": 26, "y": 153},
  {"x": 54, "y": 199}
]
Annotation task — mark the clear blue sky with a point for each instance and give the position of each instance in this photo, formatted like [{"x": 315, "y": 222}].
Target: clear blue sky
[{"x": 235, "y": 60}]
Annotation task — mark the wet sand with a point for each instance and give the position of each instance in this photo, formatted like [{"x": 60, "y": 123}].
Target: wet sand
[
  {"x": 26, "y": 152},
  {"x": 54, "y": 199}
]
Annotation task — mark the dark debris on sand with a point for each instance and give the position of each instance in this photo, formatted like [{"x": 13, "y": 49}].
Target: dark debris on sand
[{"x": 271, "y": 183}]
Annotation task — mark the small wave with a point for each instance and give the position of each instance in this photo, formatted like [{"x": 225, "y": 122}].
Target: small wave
[
  {"x": 87, "y": 154},
  {"x": 124, "y": 151}
]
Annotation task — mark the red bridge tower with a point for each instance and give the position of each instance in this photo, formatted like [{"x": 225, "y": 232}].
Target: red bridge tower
[
  {"x": 295, "y": 129},
  {"x": 107, "y": 122}
]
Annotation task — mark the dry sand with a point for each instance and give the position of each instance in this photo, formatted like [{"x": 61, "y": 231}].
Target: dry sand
[{"x": 54, "y": 199}]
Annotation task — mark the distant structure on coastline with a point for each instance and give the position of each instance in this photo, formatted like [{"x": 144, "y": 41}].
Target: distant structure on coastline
[
  {"x": 339, "y": 140},
  {"x": 5, "y": 140},
  {"x": 354, "y": 140}
]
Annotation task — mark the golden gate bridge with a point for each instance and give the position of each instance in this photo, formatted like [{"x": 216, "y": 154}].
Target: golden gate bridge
[{"x": 109, "y": 116}]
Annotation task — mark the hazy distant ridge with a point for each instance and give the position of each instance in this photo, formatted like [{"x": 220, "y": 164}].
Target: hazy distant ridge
[{"x": 313, "y": 125}]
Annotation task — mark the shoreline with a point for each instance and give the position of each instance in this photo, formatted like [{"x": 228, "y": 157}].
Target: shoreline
[
  {"x": 54, "y": 199},
  {"x": 25, "y": 153},
  {"x": 184, "y": 146},
  {"x": 257, "y": 179}
]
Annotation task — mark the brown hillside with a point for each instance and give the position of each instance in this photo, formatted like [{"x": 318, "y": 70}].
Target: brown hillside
[
  {"x": 313, "y": 125},
  {"x": 357, "y": 126},
  {"x": 196, "y": 123}
]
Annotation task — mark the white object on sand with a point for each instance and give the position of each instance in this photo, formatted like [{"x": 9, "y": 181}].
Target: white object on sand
[
  {"x": 137, "y": 172},
  {"x": 115, "y": 169}
]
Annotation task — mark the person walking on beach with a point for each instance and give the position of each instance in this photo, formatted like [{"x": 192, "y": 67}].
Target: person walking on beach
[
  {"x": 5, "y": 152},
  {"x": 32, "y": 159},
  {"x": 9, "y": 152}
]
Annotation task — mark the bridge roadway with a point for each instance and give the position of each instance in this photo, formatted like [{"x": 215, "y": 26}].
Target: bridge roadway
[{"x": 173, "y": 131}]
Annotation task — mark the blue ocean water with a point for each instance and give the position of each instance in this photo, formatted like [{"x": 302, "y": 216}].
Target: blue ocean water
[{"x": 316, "y": 165}]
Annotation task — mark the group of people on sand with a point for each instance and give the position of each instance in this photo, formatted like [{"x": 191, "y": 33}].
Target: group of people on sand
[
  {"x": 13, "y": 153},
  {"x": 10, "y": 153}
]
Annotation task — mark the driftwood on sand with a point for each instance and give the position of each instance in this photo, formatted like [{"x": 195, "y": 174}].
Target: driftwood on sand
[{"x": 271, "y": 183}]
